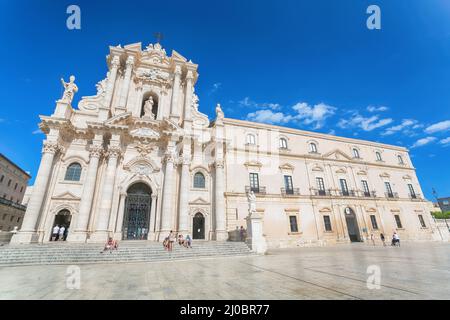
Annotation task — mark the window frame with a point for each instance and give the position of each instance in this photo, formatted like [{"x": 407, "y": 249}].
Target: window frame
[
  {"x": 283, "y": 144},
  {"x": 398, "y": 221},
  {"x": 327, "y": 223},
  {"x": 291, "y": 217},
  {"x": 252, "y": 176},
  {"x": 313, "y": 147},
  {"x": 356, "y": 154},
  {"x": 250, "y": 139},
  {"x": 373, "y": 221},
  {"x": 378, "y": 156},
  {"x": 195, "y": 180},
  {"x": 73, "y": 176}
]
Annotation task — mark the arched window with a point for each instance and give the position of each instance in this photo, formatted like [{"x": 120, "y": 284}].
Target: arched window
[
  {"x": 355, "y": 153},
  {"x": 199, "y": 180},
  {"x": 312, "y": 147},
  {"x": 73, "y": 172},
  {"x": 251, "y": 139},
  {"x": 378, "y": 155},
  {"x": 400, "y": 160},
  {"x": 283, "y": 143}
]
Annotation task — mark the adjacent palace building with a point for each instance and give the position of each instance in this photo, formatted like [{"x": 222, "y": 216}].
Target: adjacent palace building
[{"x": 139, "y": 159}]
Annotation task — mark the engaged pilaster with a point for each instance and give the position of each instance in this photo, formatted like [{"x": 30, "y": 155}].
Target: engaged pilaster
[
  {"x": 221, "y": 233},
  {"x": 115, "y": 64},
  {"x": 174, "y": 110},
  {"x": 80, "y": 232},
  {"x": 126, "y": 85},
  {"x": 168, "y": 204},
  {"x": 183, "y": 214}
]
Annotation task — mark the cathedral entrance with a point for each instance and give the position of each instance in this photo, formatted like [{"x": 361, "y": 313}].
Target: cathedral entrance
[
  {"x": 198, "y": 226},
  {"x": 136, "y": 220},
  {"x": 62, "y": 220},
  {"x": 352, "y": 225}
]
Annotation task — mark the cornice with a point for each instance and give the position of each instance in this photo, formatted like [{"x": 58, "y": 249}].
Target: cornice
[{"x": 310, "y": 134}]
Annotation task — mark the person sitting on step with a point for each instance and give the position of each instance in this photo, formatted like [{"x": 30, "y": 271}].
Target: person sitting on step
[{"x": 110, "y": 245}]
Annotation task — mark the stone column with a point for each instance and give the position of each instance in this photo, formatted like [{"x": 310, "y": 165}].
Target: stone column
[
  {"x": 101, "y": 231},
  {"x": 28, "y": 233},
  {"x": 174, "y": 110},
  {"x": 126, "y": 84},
  {"x": 168, "y": 203},
  {"x": 120, "y": 214},
  {"x": 151, "y": 233},
  {"x": 221, "y": 232},
  {"x": 188, "y": 96},
  {"x": 115, "y": 63},
  {"x": 183, "y": 215},
  {"x": 80, "y": 232}
]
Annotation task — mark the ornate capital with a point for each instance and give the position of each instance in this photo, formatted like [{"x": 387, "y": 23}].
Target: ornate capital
[
  {"x": 115, "y": 62},
  {"x": 114, "y": 151},
  {"x": 177, "y": 70},
  {"x": 189, "y": 75},
  {"x": 186, "y": 161},
  {"x": 95, "y": 151},
  {"x": 50, "y": 147},
  {"x": 130, "y": 62},
  {"x": 219, "y": 164}
]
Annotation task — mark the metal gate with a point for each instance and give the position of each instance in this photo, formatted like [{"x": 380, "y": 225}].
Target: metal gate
[{"x": 137, "y": 217}]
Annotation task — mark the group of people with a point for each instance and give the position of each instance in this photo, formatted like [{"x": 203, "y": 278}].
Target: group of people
[
  {"x": 59, "y": 233},
  {"x": 395, "y": 239},
  {"x": 182, "y": 241}
]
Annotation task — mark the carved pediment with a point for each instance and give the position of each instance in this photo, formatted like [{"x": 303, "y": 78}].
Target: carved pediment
[
  {"x": 141, "y": 165},
  {"x": 325, "y": 210},
  {"x": 253, "y": 163},
  {"x": 395, "y": 210},
  {"x": 120, "y": 119},
  {"x": 317, "y": 168},
  {"x": 341, "y": 170},
  {"x": 287, "y": 166},
  {"x": 66, "y": 196},
  {"x": 145, "y": 133},
  {"x": 385, "y": 175},
  {"x": 371, "y": 210},
  {"x": 199, "y": 201},
  {"x": 362, "y": 172},
  {"x": 337, "y": 154},
  {"x": 407, "y": 177}
]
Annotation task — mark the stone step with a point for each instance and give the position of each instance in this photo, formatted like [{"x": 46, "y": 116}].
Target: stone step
[{"x": 146, "y": 251}]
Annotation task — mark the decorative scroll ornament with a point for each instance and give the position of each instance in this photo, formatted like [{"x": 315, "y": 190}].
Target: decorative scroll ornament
[{"x": 144, "y": 149}]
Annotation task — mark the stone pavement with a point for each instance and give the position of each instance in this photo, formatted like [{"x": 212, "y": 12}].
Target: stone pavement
[{"x": 413, "y": 271}]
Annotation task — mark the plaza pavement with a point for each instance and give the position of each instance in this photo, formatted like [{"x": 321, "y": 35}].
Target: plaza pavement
[{"x": 413, "y": 271}]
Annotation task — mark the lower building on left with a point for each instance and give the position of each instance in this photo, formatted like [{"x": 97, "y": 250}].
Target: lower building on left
[{"x": 13, "y": 185}]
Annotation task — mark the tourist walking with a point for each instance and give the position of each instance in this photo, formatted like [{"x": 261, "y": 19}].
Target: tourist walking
[
  {"x": 242, "y": 233},
  {"x": 383, "y": 239},
  {"x": 188, "y": 242},
  {"x": 66, "y": 233},
  {"x": 396, "y": 239},
  {"x": 61, "y": 232},
  {"x": 171, "y": 240},
  {"x": 55, "y": 233},
  {"x": 372, "y": 238}
]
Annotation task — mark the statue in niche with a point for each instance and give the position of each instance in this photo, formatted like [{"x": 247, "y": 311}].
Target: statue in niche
[
  {"x": 251, "y": 202},
  {"x": 70, "y": 88},
  {"x": 148, "y": 108}
]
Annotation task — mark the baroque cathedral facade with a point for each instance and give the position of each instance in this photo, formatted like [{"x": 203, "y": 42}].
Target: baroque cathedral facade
[{"x": 139, "y": 159}]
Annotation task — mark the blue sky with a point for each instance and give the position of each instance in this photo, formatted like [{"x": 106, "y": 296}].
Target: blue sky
[{"x": 312, "y": 65}]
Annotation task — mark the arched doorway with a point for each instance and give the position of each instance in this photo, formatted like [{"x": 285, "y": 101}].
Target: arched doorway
[
  {"x": 136, "y": 220},
  {"x": 352, "y": 225},
  {"x": 198, "y": 226},
  {"x": 62, "y": 219}
]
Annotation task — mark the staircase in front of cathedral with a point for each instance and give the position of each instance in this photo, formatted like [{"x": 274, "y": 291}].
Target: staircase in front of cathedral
[{"x": 129, "y": 251}]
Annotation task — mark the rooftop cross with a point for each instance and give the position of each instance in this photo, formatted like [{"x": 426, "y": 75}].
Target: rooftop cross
[{"x": 158, "y": 36}]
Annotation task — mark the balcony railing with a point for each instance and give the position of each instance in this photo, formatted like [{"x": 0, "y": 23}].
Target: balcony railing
[
  {"x": 258, "y": 190},
  {"x": 415, "y": 196},
  {"x": 290, "y": 192},
  {"x": 393, "y": 195},
  {"x": 12, "y": 204},
  {"x": 322, "y": 193},
  {"x": 369, "y": 194},
  {"x": 347, "y": 193}
]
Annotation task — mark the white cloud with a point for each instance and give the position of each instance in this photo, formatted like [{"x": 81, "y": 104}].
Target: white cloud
[
  {"x": 367, "y": 124},
  {"x": 268, "y": 116},
  {"x": 440, "y": 126},
  {"x": 332, "y": 132},
  {"x": 37, "y": 131},
  {"x": 316, "y": 114},
  {"x": 405, "y": 124},
  {"x": 377, "y": 109},
  {"x": 215, "y": 87},
  {"x": 445, "y": 141},
  {"x": 247, "y": 102},
  {"x": 423, "y": 141}
]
